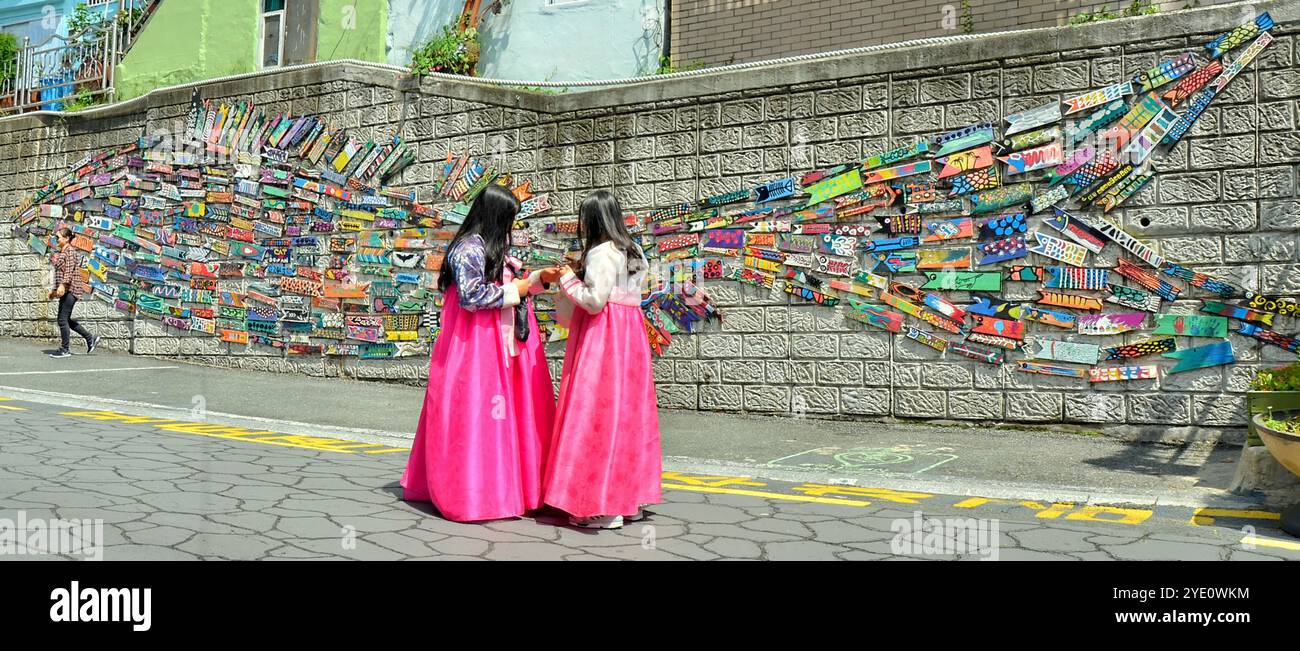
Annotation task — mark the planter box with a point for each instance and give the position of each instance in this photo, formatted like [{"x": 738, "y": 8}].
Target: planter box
[
  {"x": 1261, "y": 402},
  {"x": 1285, "y": 448}
]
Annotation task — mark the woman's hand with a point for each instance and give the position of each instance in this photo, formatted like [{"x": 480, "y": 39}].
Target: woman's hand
[
  {"x": 523, "y": 284},
  {"x": 565, "y": 270},
  {"x": 550, "y": 274},
  {"x": 60, "y": 291}
]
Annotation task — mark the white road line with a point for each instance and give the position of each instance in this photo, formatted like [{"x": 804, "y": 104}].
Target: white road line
[
  {"x": 91, "y": 370},
  {"x": 94, "y": 403}
]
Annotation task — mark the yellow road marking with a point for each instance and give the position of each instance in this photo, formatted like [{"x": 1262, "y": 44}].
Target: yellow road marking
[
  {"x": 1271, "y": 542},
  {"x": 766, "y": 494},
  {"x": 1203, "y": 516},
  {"x": 9, "y": 408},
  {"x": 238, "y": 433}
]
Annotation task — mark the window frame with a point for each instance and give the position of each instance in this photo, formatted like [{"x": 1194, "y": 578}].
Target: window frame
[{"x": 282, "y": 15}]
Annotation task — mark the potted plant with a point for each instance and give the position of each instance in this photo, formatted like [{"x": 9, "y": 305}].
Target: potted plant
[
  {"x": 1280, "y": 431},
  {"x": 1275, "y": 389}
]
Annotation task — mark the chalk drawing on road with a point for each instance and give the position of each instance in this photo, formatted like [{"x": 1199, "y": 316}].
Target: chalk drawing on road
[{"x": 905, "y": 458}]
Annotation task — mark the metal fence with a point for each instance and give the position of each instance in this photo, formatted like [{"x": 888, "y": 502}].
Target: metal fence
[{"x": 76, "y": 67}]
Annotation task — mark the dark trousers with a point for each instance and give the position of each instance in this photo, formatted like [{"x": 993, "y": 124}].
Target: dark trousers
[{"x": 66, "y": 322}]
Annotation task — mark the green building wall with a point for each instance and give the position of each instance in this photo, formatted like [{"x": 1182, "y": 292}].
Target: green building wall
[{"x": 192, "y": 40}]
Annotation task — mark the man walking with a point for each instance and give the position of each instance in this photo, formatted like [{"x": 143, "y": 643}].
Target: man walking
[{"x": 68, "y": 286}]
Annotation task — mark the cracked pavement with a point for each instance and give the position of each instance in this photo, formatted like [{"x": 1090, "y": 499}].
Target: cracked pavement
[{"x": 167, "y": 495}]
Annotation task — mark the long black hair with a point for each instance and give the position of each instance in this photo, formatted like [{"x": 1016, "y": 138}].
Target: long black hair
[
  {"x": 600, "y": 220},
  {"x": 491, "y": 217}
]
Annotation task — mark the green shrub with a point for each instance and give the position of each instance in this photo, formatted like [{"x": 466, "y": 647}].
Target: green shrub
[
  {"x": 1137, "y": 8},
  {"x": 451, "y": 52},
  {"x": 8, "y": 56},
  {"x": 1285, "y": 378}
]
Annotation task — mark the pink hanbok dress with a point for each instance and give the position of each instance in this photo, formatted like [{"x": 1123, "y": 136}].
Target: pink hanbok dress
[
  {"x": 605, "y": 456},
  {"x": 489, "y": 409}
]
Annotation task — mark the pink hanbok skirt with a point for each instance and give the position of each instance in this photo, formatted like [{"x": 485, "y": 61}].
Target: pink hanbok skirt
[
  {"x": 605, "y": 457},
  {"x": 485, "y": 429}
]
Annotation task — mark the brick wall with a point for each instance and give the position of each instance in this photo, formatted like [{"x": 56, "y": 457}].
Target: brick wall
[
  {"x": 718, "y": 32},
  {"x": 1225, "y": 203}
]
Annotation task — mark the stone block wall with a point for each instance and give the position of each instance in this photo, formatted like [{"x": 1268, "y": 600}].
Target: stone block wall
[{"x": 1224, "y": 203}]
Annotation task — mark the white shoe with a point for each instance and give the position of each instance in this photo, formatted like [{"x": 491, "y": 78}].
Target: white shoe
[{"x": 598, "y": 522}]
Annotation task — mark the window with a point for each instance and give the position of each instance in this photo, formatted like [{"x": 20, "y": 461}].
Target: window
[{"x": 272, "y": 47}]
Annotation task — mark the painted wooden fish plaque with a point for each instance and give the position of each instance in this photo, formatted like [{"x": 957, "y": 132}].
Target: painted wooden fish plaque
[
  {"x": 1146, "y": 140},
  {"x": 1049, "y": 198},
  {"x": 1029, "y": 139},
  {"x": 963, "y": 281},
  {"x": 952, "y": 259},
  {"x": 1130, "y": 244},
  {"x": 896, "y": 155},
  {"x": 810, "y": 295},
  {"x": 995, "y": 340},
  {"x": 1121, "y": 373},
  {"x": 1191, "y": 84},
  {"x": 977, "y": 353},
  {"x": 1002, "y": 250},
  {"x": 894, "y": 262},
  {"x": 773, "y": 190},
  {"x": 969, "y": 141},
  {"x": 1282, "y": 341},
  {"x": 1237, "y": 312},
  {"x": 1148, "y": 280},
  {"x": 875, "y": 315},
  {"x": 893, "y": 244},
  {"x": 962, "y": 162},
  {"x": 1110, "y": 324},
  {"x": 1142, "y": 349},
  {"x": 996, "y": 228},
  {"x": 834, "y": 187},
  {"x": 1033, "y": 118},
  {"x": 1165, "y": 73},
  {"x": 937, "y": 207},
  {"x": 1191, "y": 325},
  {"x": 998, "y": 327},
  {"x": 1052, "y": 247},
  {"x": 1067, "y": 351},
  {"x": 899, "y": 171},
  {"x": 926, "y": 338},
  {"x": 898, "y": 302},
  {"x": 1033, "y": 159},
  {"x": 1080, "y": 157},
  {"x": 952, "y": 229},
  {"x": 1078, "y": 230},
  {"x": 963, "y": 132},
  {"x": 975, "y": 181},
  {"x": 1025, "y": 274},
  {"x": 1051, "y": 369},
  {"x": 1201, "y": 281},
  {"x": 1097, "y": 98},
  {"x": 1076, "y": 278},
  {"x": 1239, "y": 36},
  {"x": 1003, "y": 197},
  {"x": 1134, "y": 298},
  {"x": 1215, "y": 354},
  {"x": 1096, "y": 120},
  {"x": 1072, "y": 301},
  {"x": 1274, "y": 304}
]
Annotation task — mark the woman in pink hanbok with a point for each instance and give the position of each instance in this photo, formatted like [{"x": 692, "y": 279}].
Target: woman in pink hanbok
[
  {"x": 489, "y": 409},
  {"x": 605, "y": 457}
]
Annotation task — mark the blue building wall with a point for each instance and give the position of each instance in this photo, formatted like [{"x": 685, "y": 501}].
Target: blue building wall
[
  {"x": 543, "y": 40},
  {"x": 40, "y": 20}
]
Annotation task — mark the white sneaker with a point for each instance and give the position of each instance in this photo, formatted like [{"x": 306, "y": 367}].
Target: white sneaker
[{"x": 598, "y": 522}]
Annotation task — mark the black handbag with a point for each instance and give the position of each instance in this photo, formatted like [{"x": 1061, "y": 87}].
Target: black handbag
[{"x": 522, "y": 328}]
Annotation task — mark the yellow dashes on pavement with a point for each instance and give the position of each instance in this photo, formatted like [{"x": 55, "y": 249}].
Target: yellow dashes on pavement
[{"x": 239, "y": 433}]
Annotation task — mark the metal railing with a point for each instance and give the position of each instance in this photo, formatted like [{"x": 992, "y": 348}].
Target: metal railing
[{"x": 74, "y": 67}]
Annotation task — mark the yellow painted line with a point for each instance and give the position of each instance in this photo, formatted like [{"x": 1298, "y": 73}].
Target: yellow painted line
[
  {"x": 1203, "y": 516},
  {"x": 1271, "y": 542},
  {"x": 8, "y": 408},
  {"x": 766, "y": 494},
  {"x": 238, "y": 433}
]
